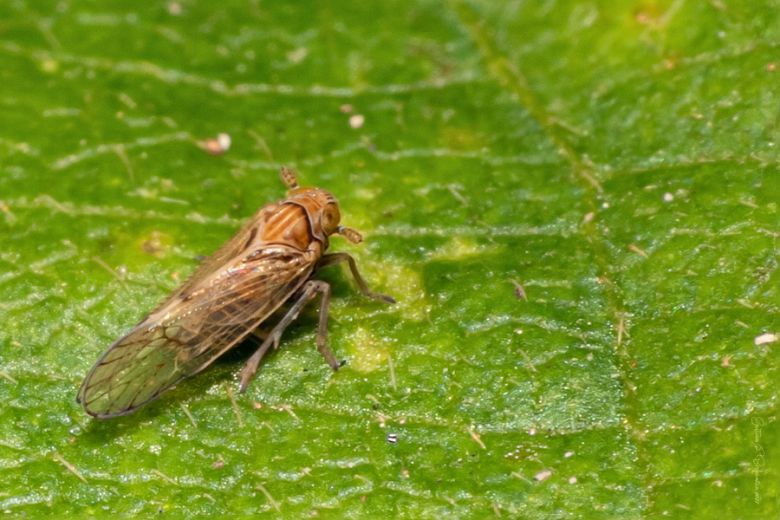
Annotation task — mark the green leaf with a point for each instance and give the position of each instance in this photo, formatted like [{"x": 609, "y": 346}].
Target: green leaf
[{"x": 617, "y": 160}]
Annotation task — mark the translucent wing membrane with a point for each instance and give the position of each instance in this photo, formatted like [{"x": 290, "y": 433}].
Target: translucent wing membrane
[{"x": 227, "y": 297}]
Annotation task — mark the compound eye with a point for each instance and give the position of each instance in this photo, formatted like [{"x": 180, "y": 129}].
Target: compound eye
[{"x": 330, "y": 219}]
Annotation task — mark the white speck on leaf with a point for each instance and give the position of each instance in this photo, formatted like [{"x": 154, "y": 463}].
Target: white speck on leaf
[
  {"x": 298, "y": 55},
  {"x": 216, "y": 145},
  {"x": 543, "y": 475},
  {"x": 357, "y": 120},
  {"x": 765, "y": 338}
]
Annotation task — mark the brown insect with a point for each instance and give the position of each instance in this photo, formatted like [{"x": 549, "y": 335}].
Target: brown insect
[{"x": 270, "y": 261}]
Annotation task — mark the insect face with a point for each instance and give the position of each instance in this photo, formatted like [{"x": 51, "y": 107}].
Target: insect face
[
  {"x": 321, "y": 208},
  {"x": 330, "y": 217}
]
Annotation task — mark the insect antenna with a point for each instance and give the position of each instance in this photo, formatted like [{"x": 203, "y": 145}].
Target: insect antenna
[
  {"x": 288, "y": 177},
  {"x": 353, "y": 235}
]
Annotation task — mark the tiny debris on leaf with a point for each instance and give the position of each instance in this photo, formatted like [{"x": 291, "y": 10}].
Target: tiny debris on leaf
[
  {"x": 356, "y": 121},
  {"x": 766, "y": 338},
  {"x": 70, "y": 467},
  {"x": 5, "y": 375},
  {"x": 174, "y": 9},
  {"x": 298, "y": 55},
  {"x": 635, "y": 249},
  {"x": 543, "y": 475},
  {"x": 268, "y": 496},
  {"x": 188, "y": 414},
  {"x": 476, "y": 438},
  {"x": 164, "y": 477},
  {"x": 519, "y": 291},
  {"x": 234, "y": 405},
  {"x": 216, "y": 145}
]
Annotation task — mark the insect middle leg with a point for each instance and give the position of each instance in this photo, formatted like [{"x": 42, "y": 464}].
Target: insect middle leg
[
  {"x": 309, "y": 291},
  {"x": 338, "y": 258}
]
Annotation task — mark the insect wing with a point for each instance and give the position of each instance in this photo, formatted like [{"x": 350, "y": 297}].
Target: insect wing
[
  {"x": 200, "y": 321},
  {"x": 231, "y": 250}
]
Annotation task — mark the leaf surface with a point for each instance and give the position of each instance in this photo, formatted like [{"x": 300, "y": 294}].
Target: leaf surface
[{"x": 575, "y": 203}]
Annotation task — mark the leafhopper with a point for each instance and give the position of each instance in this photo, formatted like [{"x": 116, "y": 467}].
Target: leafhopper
[{"x": 273, "y": 260}]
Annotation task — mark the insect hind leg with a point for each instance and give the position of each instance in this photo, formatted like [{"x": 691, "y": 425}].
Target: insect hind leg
[{"x": 309, "y": 292}]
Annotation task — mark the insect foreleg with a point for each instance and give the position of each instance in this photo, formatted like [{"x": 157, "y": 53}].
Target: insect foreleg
[
  {"x": 338, "y": 258},
  {"x": 308, "y": 292}
]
